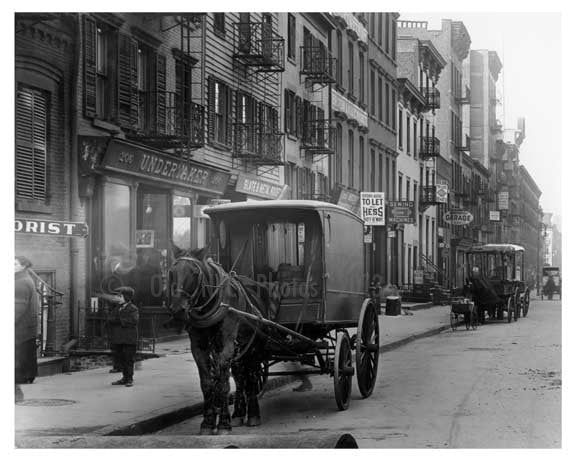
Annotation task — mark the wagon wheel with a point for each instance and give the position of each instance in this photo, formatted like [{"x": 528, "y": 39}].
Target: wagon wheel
[
  {"x": 518, "y": 304},
  {"x": 343, "y": 370},
  {"x": 526, "y": 304},
  {"x": 510, "y": 307},
  {"x": 367, "y": 348},
  {"x": 453, "y": 320}
]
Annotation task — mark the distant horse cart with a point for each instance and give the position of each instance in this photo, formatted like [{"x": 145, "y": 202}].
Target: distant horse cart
[
  {"x": 496, "y": 281},
  {"x": 284, "y": 283},
  {"x": 551, "y": 282}
]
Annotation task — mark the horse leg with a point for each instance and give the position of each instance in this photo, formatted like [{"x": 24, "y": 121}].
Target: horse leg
[
  {"x": 226, "y": 344},
  {"x": 200, "y": 350},
  {"x": 238, "y": 373},
  {"x": 251, "y": 362}
]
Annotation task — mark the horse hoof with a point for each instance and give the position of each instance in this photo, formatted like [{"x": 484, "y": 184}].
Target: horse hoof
[
  {"x": 237, "y": 421},
  {"x": 254, "y": 421}
]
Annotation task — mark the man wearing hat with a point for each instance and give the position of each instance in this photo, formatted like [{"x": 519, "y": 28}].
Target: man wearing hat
[{"x": 124, "y": 334}]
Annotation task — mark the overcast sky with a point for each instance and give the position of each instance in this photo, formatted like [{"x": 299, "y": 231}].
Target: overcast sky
[{"x": 529, "y": 46}]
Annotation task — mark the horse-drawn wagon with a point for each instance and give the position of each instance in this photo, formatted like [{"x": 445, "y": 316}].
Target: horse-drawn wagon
[
  {"x": 290, "y": 276},
  {"x": 496, "y": 281}
]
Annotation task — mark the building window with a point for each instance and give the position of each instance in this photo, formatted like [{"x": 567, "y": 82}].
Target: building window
[
  {"x": 361, "y": 161},
  {"x": 219, "y": 112},
  {"x": 31, "y": 143},
  {"x": 339, "y": 154},
  {"x": 289, "y": 112},
  {"x": 408, "y": 143},
  {"x": 372, "y": 24},
  {"x": 291, "y": 36},
  {"x": 380, "y": 172},
  {"x": 415, "y": 129},
  {"x": 388, "y": 182},
  {"x": 387, "y": 32},
  {"x": 400, "y": 187},
  {"x": 361, "y": 78},
  {"x": 380, "y": 97},
  {"x": 400, "y": 133},
  {"x": 351, "y": 68},
  {"x": 103, "y": 109},
  {"x": 220, "y": 23},
  {"x": 351, "y": 158},
  {"x": 393, "y": 109},
  {"x": 393, "y": 43},
  {"x": 372, "y": 170},
  {"x": 408, "y": 189},
  {"x": 339, "y": 57},
  {"x": 372, "y": 93},
  {"x": 380, "y": 29},
  {"x": 387, "y": 96}
]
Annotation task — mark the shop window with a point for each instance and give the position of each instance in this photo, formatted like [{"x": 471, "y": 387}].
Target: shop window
[
  {"x": 181, "y": 222},
  {"x": 31, "y": 143}
]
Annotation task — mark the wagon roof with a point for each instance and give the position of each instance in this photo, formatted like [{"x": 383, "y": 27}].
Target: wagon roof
[
  {"x": 278, "y": 205},
  {"x": 495, "y": 248}
]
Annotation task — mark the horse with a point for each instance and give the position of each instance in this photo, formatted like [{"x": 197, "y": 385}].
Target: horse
[{"x": 221, "y": 340}]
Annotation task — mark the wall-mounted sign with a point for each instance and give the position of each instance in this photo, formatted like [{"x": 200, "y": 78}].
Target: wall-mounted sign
[
  {"x": 494, "y": 216},
  {"x": 458, "y": 217},
  {"x": 391, "y": 234},
  {"x": 367, "y": 234},
  {"x": 126, "y": 157},
  {"x": 57, "y": 228},
  {"x": 347, "y": 199},
  {"x": 503, "y": 200},
  {"x": 258, "y": 187},
  {"x": 373, "y": 208},
  {"x": 418, "y": 276},
  {"x": 441, "y": 193},
  {"x": 401, "y": 212}
]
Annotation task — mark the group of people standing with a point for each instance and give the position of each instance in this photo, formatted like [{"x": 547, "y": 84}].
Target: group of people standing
[{"x": 122, "y": 321}]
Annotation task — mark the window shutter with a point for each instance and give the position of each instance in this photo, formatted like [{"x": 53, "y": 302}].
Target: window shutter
[
  {"x": 161, "y": 94},
  {"x": 287, "y": 111},
  {"x": 306, "y": 121},
  {"x": 229, "y": 114},
  {"x": 31, "y": 144},
  {"x": 298, "y": 117},
  {"x": 211, "y": 109},
  {"x": 127, "y": 82},
  {"x": 89, "y": 67}
]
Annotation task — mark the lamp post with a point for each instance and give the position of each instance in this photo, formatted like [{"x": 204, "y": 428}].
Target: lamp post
[{"x": 541, "y": 230}]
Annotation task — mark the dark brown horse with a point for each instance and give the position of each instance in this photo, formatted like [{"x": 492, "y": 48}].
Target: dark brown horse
[{"x": 221, "y": 341}]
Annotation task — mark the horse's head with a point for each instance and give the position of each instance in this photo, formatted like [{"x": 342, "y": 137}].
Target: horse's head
[{"x": 185, "y": 279}]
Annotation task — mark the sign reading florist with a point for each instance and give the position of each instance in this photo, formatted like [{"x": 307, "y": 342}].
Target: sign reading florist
[{"x": 373, "y": 208}]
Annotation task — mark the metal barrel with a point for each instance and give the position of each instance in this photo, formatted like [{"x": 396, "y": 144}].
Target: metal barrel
[{"x": 191, "y": 441}]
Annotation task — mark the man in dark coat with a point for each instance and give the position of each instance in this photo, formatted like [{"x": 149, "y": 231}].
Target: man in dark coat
[
  {"x": 124, "y": 334},
  {"x": 26, "y": 306}
]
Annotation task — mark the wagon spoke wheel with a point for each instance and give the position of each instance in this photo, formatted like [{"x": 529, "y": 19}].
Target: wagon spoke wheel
[
  {"x": 367, "y": 349},
  {"x": 526, "y": 304},
  {"x": 510, "y": 307},
  {"x": 343, "y": 370}
]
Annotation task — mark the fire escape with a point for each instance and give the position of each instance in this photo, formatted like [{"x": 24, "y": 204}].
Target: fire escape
[
  {"x": 318, "y": 68},
  {"x": 259, "y": 64},
  {"x": 174, "y": 120}
]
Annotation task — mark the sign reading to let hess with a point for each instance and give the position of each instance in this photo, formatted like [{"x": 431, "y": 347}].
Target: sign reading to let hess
[{"x": 373, "y": 208}]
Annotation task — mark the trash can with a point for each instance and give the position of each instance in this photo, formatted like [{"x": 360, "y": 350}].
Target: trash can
[{"x": 393, "y": 305}]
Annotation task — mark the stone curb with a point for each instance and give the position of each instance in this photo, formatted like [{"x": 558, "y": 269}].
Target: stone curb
[{"x": 161, "y": 419}]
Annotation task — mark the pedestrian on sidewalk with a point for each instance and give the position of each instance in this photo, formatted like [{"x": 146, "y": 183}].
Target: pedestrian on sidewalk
[
  {"x": 124, "y": 335},
  {"x": 26, "y": 317}
]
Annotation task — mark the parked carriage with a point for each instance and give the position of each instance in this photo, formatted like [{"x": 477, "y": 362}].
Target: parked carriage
[
  {"x": 310, "y": 256},
  {"x": 551, "y": 282},
  {"x": 496, "y": 281}
]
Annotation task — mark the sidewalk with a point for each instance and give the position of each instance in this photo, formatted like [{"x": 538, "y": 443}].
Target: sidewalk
[{"x": 165, "y": 389}]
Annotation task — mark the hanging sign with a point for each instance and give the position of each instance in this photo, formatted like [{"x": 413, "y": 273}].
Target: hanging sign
[
  {"x": 503, "y": 200},
  {"x": 494, "y": 216},
  {"x": 56, "y": 228},
  {"x": 441, "y": 193},
  {"x": 367, "y": 234},
  {"x": 458, "y": 217},
  {"x": 373, "y": 208},
  {"x": 401, "y": 212}
]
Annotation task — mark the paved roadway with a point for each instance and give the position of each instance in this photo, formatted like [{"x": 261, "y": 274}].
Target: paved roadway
[{"x": 496, "y": 387}]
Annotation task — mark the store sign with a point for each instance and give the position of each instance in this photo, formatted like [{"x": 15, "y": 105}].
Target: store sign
[
  {"x": 503, "y": 200},
  {"x": 458, "y": 217},
  {"x": 373, "y": 208},
  {"x": 401, "y": 212},
  {"x": 254, "y": 186},
  {"x": 347, "y": 199},
  {"x": 494, "y": 216},
  {"x": 441, "y": 193},
  {"x": 418, "y": 277},
  {"x": 56, "y": 228},
  {"x": 126, "y": 157}
]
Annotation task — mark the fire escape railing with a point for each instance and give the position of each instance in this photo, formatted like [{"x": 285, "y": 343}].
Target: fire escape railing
[
  {"x": 166, "y": 121},
  {"x": 257, "y": 45},
  {"x": 429, "y": 146},
  {"x": 258, "y": 143},
  {"x": 319, "y": 137},
  {"x": 317, "y": 64}
]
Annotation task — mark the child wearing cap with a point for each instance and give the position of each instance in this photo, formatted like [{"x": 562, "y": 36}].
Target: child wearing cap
[{"x": 124, "y": 335}]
